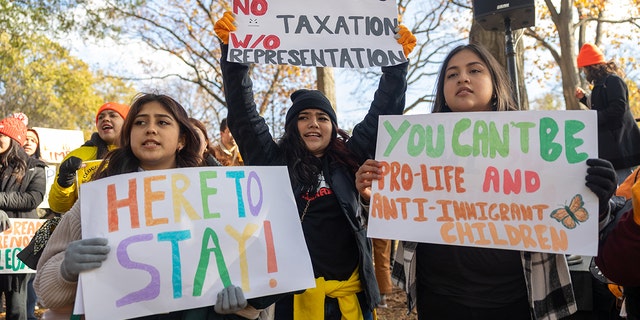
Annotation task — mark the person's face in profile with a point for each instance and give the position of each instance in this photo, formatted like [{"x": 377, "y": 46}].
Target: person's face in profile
[{"x": 227, "y": 138}]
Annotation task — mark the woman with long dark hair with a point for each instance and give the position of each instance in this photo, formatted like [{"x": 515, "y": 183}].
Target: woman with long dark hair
[
  {"x": 156, "y": 135},
  {"x": 322, "y": 160},
  {"x": 22, "y": 181},
  {"x": 462, "y": 282}
]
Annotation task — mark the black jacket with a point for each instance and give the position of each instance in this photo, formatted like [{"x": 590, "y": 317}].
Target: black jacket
[
  {"x": 618, "y": 133},
  {"x": 20, "y": 200},
  {"x": 258, "y": 147}
]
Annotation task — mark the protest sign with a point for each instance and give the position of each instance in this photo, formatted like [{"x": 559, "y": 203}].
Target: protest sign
[
  {"x": 13, "y": 240},
  {"x": 510, "y": 180},
  {"x": 55, "y": 144},
  {"x": 87, "y": 170},
  {"x": 50, "y": 176},
  {"x": 180, "y": 236},
  {"x": 329, "y": 33}
]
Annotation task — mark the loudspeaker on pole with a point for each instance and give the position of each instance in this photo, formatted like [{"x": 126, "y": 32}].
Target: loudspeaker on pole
[{"x": 491, "y": 14}]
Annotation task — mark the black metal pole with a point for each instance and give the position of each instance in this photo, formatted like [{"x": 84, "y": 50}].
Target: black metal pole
[{"x": 511, "y": 60}]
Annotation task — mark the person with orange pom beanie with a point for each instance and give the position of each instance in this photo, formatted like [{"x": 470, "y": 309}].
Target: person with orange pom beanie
[{"x": 618, "y": 134}]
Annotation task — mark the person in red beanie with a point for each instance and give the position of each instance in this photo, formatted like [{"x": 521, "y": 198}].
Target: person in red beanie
[
  {"x": 22, "y": 190},
  {"x": 618, "y": 134},
  {"x": 109, "y": 119}
]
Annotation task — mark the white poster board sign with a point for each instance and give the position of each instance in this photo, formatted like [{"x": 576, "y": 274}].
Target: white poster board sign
[
  {"x": 13, "y": 240},
  {"x": 50, "y": 176},
  {"x": 328, "y": 33},
  {"x": 510, "y": 180},
  {"x": 180, "y": 236},
  {"x": 55, "y": 144}
]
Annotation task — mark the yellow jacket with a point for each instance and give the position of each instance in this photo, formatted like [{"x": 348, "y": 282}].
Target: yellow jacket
[{"x": 61, "y": 199}]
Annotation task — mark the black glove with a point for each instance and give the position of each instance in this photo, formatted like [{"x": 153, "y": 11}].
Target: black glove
[
  {"x": 601, "y": 179},
  {"x": 67, "y": 171}
]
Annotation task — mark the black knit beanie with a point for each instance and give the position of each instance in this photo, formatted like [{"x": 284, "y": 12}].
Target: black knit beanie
[{"x": 309, "y": 99}]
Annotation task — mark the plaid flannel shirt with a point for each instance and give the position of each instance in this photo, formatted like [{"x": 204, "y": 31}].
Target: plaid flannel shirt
[{"x": 546, "y": 275}]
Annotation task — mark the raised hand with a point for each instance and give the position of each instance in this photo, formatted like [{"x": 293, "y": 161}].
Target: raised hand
[
  {"x": 406, "y": 38},
  {"x": 225, "y": 25},
  {"x": 67, "y": 171}
]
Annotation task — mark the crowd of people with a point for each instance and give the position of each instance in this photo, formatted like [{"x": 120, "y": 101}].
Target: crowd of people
[
  {"x": 20, "y": 296},
  {"x": 331, "y": 174}
]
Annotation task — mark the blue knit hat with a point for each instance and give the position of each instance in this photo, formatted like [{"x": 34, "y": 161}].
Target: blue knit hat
[{"x": 309, "y": 99}]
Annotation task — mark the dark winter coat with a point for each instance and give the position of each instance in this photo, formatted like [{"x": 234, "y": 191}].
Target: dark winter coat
[
  {"x": 20, "y": 200},
  {"x": 618, "y": 133},
  {"x": 258, "y": 147}
]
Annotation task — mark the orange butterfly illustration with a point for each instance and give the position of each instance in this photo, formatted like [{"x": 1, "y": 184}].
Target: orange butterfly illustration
[{"x": 570, "y": 216}]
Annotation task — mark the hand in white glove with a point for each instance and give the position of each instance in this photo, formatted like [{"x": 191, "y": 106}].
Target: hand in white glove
[
  {"x": 83, "y": 255},
  {"x": 5, "y": 223},
  {"x": 230, "y": 300}
]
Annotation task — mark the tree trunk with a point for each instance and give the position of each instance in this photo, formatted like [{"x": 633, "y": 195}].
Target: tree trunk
[
  {"x": 495, "y": 42},
  {"x": 567, "y": 58},
  {"x": 327, "y": 84}
]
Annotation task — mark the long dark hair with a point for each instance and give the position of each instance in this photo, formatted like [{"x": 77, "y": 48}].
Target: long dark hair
[
  {"x": 122, "y": 159},
  {"x": 503, "y": 94},
  {"x": 304, "y": 167},
  {"x": 208, "y": 155},
  {"x": 600, "y": 71},
  {"x": 15, "y": 158}
]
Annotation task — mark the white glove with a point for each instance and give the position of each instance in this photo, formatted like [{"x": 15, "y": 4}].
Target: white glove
[{"x": 5, "y": 223}]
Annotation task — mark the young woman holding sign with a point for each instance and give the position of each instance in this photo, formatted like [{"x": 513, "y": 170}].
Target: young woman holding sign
[
  {"x": 457, "y": 282},
  {"x": 22, "y": 190},
  {"x": 322, "y": 161},
  {"x": 156, "y": 135}
]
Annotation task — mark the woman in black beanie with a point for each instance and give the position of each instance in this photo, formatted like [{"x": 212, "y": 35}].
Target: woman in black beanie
[{"x": 322, "y": 160}]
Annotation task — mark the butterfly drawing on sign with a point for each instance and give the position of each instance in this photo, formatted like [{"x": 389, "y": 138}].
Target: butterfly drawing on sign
[{"x": 570, "y": 216}]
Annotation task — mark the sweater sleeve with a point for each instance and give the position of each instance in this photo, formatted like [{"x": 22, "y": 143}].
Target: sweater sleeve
[{"x": 51, "y": 288}]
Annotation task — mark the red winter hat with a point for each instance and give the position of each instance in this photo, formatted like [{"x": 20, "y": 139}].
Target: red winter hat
[
  {"x": 14, "y": 128},
  {"x": 121, "y": 109},
  {"x": 590, "y": 54}
]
